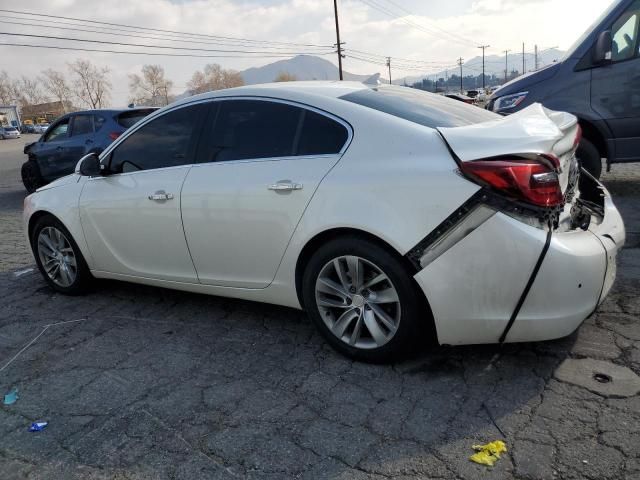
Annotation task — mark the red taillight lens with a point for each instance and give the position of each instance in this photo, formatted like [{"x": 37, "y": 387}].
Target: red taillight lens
[
  {"x": 525, "y": 180},
  {"x": 114, "y": 135}
]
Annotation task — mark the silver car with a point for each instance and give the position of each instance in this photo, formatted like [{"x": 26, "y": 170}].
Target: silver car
[{"x": 9, "y": 132}]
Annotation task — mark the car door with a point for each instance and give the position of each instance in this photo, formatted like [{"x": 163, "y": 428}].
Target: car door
[
  {"x": 79, "y": 143},
  {"x": 615, "y": 87},
  {"x": 258, "y": 168},
  {"x": 131, "y": 216},
  {"x": 50, "y": 149}
]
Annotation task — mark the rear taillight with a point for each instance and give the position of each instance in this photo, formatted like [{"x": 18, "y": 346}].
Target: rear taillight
[
  {"x": 525, "y": 180},
  {"x": 114, "y": 135}
]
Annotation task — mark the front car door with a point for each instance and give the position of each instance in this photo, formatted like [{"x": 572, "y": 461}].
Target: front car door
[
  {"x": 50, "y": 148},
  {"x": 615, "y": 87},
  {"x": 131, "y": 217},
  {"x": 261, "y": 161}
]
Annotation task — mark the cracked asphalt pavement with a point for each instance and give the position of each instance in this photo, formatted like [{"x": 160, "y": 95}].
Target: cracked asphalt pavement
[{"x": 145, "y": 383}]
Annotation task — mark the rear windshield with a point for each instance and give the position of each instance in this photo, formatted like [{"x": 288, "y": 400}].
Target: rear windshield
[
  {"x": 128, "y": 119},
  {"x": 421, "y": 107}
]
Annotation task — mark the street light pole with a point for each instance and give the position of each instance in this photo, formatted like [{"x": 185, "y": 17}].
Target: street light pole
[
  {"x": 389, "y": 66},
  {"x": 506, "y": 64},
  {"x": 460, "y": 63},
  {"x": 483, "y": 47}
]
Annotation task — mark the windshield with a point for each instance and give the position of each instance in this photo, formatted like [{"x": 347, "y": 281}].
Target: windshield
[
  {"x": 424, "y": 108},
  {"x": 591, "y": 28}
]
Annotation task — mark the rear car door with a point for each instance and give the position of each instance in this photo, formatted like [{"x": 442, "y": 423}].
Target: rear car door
[
  {"x": 131, "y": 217},
  {"x": 615, "y": 87},
  {"x": 260, "y": 162},
  {"x": 80, "y": 141}
]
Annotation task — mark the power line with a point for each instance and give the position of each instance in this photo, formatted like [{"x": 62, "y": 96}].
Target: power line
[
  {"x": 156, "y": 54},
  {"x": 127, "y": 33},
  {"x": 106, "y": 42},
  {"x": 201, "y": 35}
]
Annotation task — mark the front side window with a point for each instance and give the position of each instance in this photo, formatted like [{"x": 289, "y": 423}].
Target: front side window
[
  {"x": 254, "y": 129},
  {"x": 82, "y": 125},
  {"x": 58, "y": 132},
  {"x": 625, "y": 34},
  {"x": 166, "y": 141}
]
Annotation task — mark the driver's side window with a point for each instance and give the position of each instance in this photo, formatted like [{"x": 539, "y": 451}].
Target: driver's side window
[
  {"x": 58, "y": 132},
  {"x": 625, "y": 34},
  {"x": 166, "y": 141}
]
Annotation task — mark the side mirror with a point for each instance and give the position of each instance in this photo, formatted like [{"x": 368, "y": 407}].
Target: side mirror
[
  {"x": 602, "y": 48},
  {"x": 89, "y": 166}
]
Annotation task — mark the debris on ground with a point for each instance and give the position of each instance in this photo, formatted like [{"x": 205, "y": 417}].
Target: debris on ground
[
  {"x": 489, "y": 453},
  {"x": 38, "y": 426},
  {"x": 11, "y": 396}
]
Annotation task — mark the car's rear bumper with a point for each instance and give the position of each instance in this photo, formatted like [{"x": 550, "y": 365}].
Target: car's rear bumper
[{"x": 486, "y": 287}]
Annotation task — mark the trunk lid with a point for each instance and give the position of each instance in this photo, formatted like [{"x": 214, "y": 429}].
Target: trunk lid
[{"x": 533, "y": 131}]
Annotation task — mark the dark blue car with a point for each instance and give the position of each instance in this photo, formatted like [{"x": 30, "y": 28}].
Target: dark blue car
[{"x": 71, "y": 137}]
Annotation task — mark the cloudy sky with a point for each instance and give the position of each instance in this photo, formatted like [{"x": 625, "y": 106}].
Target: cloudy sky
[{"x": 433, "y": 31}]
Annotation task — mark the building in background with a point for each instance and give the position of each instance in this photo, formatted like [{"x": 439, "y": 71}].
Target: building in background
[
  {"x": 9, "y": 116},
  {"x": 44, "y": 112}
]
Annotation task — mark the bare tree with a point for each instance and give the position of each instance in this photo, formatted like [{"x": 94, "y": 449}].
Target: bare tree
[
  {"x": 214, "y": 77},
  {"x": 56, "y": 84},
  {"x": 7, "y": 94},
  {"x": 30, "y": 91},
  {"x": 285, "y": 77},
  {"x": 91, "y": 84},
  {"x": 152, "y": 88}
]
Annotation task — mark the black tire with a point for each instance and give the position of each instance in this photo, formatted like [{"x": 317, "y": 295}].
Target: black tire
[
  {"x": 31, "y": 176},
  {"x": 589, "y": 157},
  {"x": 83, "y": 278},
  {"x": 413, "y": 311}
]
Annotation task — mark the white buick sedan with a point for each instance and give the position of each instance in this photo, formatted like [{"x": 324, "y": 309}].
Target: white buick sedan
[{"x": 385, "y": 212}]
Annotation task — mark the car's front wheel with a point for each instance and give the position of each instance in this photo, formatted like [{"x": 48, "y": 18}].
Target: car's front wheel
[
  {"x": 363, "y": 300},
  {"x": 31, "y": 176},
  {"x": 58, "y": 257}
]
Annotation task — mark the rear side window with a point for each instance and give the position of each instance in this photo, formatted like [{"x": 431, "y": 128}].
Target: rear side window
[
  {"x": 98, "y": 122},
  {"x": 420, "y": 107},
  {"x": 82, "y": 125},
  {"x": 166, "y": 141},
  {"x": 254, "y": 129},
  {"x": 320, "y": 135},
  {"x": 130, "y": 118}
]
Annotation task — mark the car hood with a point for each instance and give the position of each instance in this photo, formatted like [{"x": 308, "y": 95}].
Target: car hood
[
  {"x": 73, "y": 178},
  {"x": 532, "y": 130},
  {"x": 523, "y": 82}
]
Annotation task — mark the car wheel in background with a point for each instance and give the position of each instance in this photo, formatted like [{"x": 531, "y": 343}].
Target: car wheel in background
[
  {"x": 589, "y": 157},
  {"x": 58, "y": 257},
  {"x": 31, "y": 177},
  {"x": 363, "y": 300}
]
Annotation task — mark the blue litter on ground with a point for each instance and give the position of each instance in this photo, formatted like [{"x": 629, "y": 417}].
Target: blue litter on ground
[
  {"x": 37, "y": 426},
  {"x": 11, "y": 397}
]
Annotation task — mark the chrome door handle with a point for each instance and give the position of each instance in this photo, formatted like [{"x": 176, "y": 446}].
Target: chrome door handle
[
  {"x": 285, "y": 186},
  {"x": 161, "y": 196}
]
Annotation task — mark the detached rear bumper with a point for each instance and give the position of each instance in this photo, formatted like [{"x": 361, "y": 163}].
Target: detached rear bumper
[{"x": 484, "y": 287}]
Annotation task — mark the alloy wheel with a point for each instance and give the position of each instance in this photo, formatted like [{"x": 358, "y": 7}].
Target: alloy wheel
[
  {"x": 57, "y": 256},
  {"x": 358, "y": 302}
]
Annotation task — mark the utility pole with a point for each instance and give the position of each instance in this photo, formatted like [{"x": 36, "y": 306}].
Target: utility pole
[
  {"x": 535, "y": 49},
  {"x": 460, "y": 63},
  {"x": 389, "y": 67},
  {"x": 483, "y": 47},
  {"x": 506, "y": 64},
  {"x": 338, "y": 44},
  {"x": 524, "y": 68}
]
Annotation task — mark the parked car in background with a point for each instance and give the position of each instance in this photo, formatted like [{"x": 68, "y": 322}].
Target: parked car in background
[
  {"x": 71, "y": 137},
  {"x": 598, "y": 81},
  {"x": 28, "y": 128},
  {"x": 475, "y": 232},
  {"x": 460, "y": 97},
  {"x": 478, "y": 95},
  {"x": 7, "y": 132}
]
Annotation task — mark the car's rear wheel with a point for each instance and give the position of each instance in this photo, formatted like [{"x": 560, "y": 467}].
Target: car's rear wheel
[
  {"x": 31, "y": 176},
  {"x": 589, "y": 157},
  {"x": 363, "y": 300},
  {"x": 58, "y": 257}
]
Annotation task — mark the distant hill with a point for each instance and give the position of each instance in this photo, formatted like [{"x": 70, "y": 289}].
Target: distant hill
[
  {"x": 303, "y": 67},
  {"x": 493, "y": 65}
]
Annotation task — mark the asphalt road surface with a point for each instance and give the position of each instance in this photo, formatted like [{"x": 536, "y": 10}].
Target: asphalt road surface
[{"x": 145, "y": 383}]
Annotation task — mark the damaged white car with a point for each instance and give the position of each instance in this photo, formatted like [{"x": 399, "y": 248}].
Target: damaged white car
[{"x": 383, "y": 211}]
